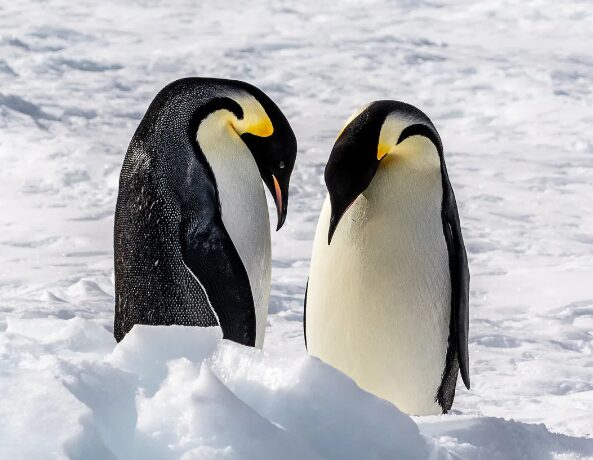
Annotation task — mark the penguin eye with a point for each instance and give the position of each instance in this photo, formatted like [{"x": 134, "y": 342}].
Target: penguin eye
[{"x": 281, "y": 165}]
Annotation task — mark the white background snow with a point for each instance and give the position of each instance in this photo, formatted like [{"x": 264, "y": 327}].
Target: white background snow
[{"x": 508, "y": 84}]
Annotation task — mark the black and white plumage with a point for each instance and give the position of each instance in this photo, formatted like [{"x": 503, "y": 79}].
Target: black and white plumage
[
  {"x": 192, "y": 232},
  {"x": 388, "y": 292}
]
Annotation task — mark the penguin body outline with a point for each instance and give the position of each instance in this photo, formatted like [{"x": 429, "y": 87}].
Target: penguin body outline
[
  {"x": 180, "y": 257},
  {"x": 388, "y": 303}
]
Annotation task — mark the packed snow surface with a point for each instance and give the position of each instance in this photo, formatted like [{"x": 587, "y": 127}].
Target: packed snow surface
[{"x": 509, "y": 86}]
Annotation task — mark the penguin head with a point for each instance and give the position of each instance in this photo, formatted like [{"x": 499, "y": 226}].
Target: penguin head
[
  {"x": 266, "y": 133},
  {"x": 370, "y": 137},
  {"x": 227, "y": 112}
]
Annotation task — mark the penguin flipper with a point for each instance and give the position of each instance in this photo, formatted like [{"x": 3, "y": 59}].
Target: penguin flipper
[
  {"x": 211, "y": 257},
  {"x": 459, "y": 272},
  {"x": 305, "y": 314}
]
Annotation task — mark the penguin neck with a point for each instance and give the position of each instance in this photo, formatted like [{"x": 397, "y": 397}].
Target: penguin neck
[
  {"x": 235, "y": 171},
  {"x": 243, "y": 204}
]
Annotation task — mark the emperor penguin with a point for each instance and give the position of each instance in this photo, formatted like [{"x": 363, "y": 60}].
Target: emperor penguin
[
  {"x": 388, "y": 291},
  {"x": 192, "y": 231}
]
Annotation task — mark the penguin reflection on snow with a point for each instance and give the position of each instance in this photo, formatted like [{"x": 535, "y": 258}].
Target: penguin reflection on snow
[
  {"x": 387, "y": 298},
  {"x": 192, "y": 232}
]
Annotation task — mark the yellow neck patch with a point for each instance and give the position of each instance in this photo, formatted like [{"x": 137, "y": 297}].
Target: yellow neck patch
[
  {"x": 262, "y": 128},
  {"x": 383, "y": 149},
  {"x": 255, "y": 119}
]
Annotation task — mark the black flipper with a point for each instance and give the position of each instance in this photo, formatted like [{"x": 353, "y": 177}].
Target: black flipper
[
  {"x": 210, "y": 255},
  {"x": 305, "y": 314},
  {"x": 459, "y": 272}
]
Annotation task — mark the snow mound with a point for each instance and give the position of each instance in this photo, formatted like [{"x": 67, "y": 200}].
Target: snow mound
[
  {"x": 185, "y": 393},
  {"x": 176, "y": 392},
  {"x": 199, "y": 396}
]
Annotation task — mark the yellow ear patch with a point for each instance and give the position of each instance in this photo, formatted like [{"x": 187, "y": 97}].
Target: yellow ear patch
[
  {"x": 390, "y": 131},
  {"x": 262, "y": 128},
  {"x": 255, "y": 120},
  {"x": 382, "y": 150}
]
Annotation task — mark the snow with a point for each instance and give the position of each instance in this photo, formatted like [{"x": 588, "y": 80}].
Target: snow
[
  {"x": 179, "y": 392},
  {"x": 509, "y": 86}
]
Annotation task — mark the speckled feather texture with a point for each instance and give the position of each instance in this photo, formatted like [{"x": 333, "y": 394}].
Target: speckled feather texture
[{"x": 153, "y": 285}]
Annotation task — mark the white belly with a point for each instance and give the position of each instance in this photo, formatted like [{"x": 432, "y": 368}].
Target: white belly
[
  {"x": 245, "y": 216},
  {"x": 378, "y": 300}
]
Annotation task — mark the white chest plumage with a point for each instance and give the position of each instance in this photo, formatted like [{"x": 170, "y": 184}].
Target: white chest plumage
[
  {"x": 378, "y": 301},
  {"x": 243, "y": 206}
]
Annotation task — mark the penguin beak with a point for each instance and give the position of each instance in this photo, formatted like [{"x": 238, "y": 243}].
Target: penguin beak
[{"x": 281, "y": 199}]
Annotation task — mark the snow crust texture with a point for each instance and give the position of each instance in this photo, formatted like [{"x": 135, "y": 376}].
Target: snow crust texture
[{"x": 509, "y": 86}]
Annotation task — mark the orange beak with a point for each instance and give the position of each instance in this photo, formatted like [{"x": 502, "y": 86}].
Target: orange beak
[{"x": 279, "y": 202}]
